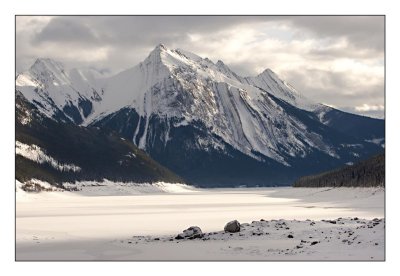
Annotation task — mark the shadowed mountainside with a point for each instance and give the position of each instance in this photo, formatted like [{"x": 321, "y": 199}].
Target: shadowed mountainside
[
  {"x": 367, "y": 173},
  {"x": 97, "y": 154}
]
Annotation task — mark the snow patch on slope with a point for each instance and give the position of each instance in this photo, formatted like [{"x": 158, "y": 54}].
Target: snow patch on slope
[
  {"x": 24, "y": 118},
  {"x": 321, "y": 111},
  {"x": 377, "y": 141},
  {"x": 36, "y": 154}
]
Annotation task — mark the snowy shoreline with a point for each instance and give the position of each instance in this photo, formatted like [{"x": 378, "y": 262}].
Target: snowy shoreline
[
  {"x": 83, "y": 226},
  {"x": 340, "y": 239}
]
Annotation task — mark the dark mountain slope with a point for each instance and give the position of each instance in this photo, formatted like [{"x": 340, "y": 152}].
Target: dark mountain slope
[
  {"x": 184, "y": 153},
  {"x": 361, "y": 127},
  {"x": 367, "y": 173},
  {"x": 97, "y": 153}
]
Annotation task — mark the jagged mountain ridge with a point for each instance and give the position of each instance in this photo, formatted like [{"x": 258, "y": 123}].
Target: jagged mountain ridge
[
  {"x": 66, "y": 95},
  {"x": 174, "y": 95}
]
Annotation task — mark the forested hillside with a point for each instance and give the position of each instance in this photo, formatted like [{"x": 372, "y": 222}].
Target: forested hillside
[{"x": 367, "y": 173}]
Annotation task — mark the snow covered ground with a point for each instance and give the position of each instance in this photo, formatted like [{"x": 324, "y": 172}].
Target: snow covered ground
[{"x": 86, "y": 225}]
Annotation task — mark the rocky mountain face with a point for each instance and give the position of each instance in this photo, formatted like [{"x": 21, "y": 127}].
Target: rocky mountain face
[
  {"x": 205, "y": 122},
  {"x": 367, "y": 173}
]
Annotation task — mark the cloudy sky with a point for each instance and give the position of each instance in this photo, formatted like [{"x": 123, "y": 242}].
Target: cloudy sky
[{"x": 338, "y": 61}]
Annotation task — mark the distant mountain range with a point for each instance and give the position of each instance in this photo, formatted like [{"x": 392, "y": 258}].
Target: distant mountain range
[{"x": 201, "y": 120}]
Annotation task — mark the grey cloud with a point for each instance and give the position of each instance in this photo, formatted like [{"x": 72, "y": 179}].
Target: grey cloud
[
  {"x": 136, "y": 31},
  {"x": 337, "y": 90},
  {"x": 348, "y": 52},
  {"x": 364, "y": 31},
  {"x": 65, "y": 29},
  {"x": 370, "y": 113},
  {"x": 243, "y": 69}
]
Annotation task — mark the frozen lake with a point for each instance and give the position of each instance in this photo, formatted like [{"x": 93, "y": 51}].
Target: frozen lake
[{"x": 58, "y": 217}]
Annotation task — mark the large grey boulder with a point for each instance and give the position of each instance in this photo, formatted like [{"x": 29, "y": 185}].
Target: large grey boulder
[
  {"x": 193, "y": 232},
  {"x": 232, "y": 226}
]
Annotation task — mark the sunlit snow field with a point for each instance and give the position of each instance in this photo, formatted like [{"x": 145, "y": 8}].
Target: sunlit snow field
[{"x": 90, "y": 225}]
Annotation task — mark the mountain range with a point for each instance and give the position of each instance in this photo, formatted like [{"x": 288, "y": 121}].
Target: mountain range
[{"x": 201, "y": 120}]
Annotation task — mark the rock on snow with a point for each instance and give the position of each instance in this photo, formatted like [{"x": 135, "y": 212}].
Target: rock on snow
[{"x": 232, "y": 226}]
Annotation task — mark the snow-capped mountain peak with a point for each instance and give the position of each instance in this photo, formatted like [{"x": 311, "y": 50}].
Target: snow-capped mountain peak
[
  {"x": 224, "y": 69},
  {"x": 269, "y": 81},
  {"x": 42, "y": 71},
  {"x": 58, "y": 91},
  {"x": 172, "y": 58},
  {"x": 156, "y": 52},
  {"x": 182, "y": 86},
  {"x": 189, "y": 55},
  {"x": 47, "y": 64},
  {"x": 161, "y": 47}
]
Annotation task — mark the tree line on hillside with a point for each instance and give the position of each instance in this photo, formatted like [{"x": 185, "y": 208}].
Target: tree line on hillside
[{"x": 367, "y": 173}]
